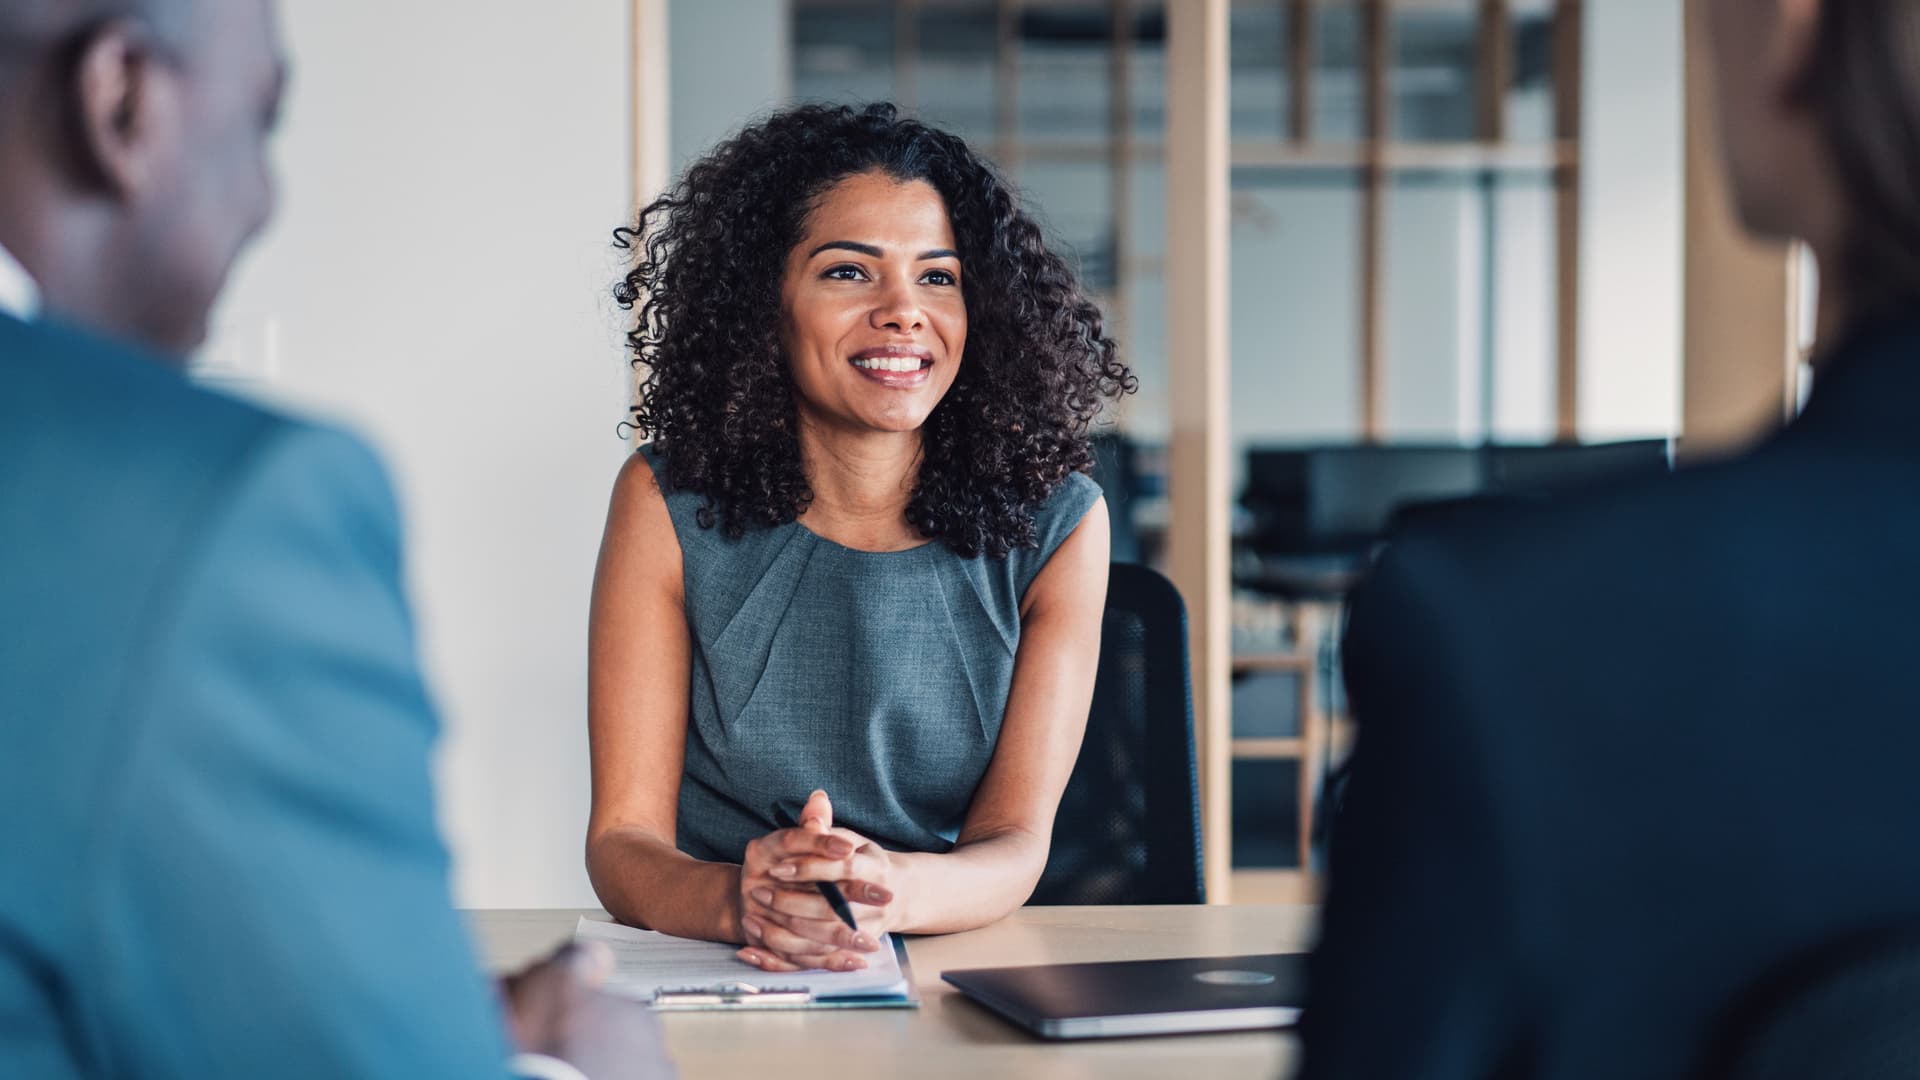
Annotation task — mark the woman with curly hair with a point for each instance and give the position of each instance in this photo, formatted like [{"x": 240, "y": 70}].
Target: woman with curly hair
[{"x": 861, "y": 555}]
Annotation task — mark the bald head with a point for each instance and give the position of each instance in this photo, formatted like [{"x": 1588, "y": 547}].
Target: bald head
[
  {"x": 133, "y": 166},
  {"x": 38, "y": 37},
  {"x": 52, "y": 15},
  {"x": 29, "y": 28}
]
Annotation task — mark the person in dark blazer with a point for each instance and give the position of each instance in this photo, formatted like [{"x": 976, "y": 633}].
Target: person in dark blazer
[
  {"x": 1623, "y": 756},
  {"x": 219, "y": 854}
]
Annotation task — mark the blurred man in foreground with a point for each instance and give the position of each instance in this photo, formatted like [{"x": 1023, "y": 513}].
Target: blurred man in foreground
[
  {"x": 220, "y": 856},
  {"x": 1624, "y": 758}
]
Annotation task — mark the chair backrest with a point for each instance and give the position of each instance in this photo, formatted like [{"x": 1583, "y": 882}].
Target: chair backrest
[
  {"x": 1128, "y": 831},
  {"x": 1849, "y": 1010}
]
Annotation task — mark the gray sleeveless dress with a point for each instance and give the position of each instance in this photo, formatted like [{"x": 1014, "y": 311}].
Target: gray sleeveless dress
[{"x": 880, "y": 677}]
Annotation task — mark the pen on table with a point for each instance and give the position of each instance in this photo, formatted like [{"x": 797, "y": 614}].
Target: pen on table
[{"x": 835, "y": 898}]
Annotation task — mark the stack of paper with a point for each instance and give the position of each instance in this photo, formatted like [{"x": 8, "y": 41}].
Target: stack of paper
[{"x": 646, "y": 962}]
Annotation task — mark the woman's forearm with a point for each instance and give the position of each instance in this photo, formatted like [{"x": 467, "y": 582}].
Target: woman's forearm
[
  {"x": 647, "y": 882},
  {"x": 977, "y": 882}
]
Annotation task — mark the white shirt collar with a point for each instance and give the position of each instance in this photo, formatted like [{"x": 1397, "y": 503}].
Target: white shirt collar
[{"x": 19, "y": 295}]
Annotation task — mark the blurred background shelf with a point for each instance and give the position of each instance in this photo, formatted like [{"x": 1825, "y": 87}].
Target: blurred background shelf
[
  {"x": 1275, "y": 887},
  {"x": 1261, "y": 662},
  {"x": 1268, "y": 748}
]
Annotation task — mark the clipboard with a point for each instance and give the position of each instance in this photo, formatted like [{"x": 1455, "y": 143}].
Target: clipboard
[
  {"x": 741, "y": 996},
  {"x": 673, "y": 974}
]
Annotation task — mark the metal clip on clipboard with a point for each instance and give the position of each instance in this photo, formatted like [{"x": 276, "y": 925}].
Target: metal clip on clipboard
[{"x": 732, "y": 995}]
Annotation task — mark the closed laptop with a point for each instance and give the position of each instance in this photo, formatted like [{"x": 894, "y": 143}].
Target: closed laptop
[{"x": 1143, "y": 997}]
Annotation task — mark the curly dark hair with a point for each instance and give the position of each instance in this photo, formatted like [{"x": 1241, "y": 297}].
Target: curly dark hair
[{"x": 717, "y": 397}]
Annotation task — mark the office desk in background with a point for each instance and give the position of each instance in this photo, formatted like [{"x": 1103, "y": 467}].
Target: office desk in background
[{"x": 949, "y": 1036}]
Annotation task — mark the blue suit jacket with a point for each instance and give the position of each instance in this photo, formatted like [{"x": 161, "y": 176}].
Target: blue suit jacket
[{"x": 218, "y": 855}]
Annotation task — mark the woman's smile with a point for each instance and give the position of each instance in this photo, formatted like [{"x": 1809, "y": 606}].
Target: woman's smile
[{"x": 894, "y": 366}]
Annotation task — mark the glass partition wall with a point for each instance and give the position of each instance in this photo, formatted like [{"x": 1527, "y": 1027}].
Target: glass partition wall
[{"x": 1405, "y": 179}]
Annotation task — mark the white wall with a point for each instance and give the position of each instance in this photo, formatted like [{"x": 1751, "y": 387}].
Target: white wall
[
  {"x": 1631, "y": 220},
  {"x": 437, "y": 278},
  {"x": 1526, "y": 318},
  {"x": 1295, "y": 315},
  {"x": 1434, "y": 292}
]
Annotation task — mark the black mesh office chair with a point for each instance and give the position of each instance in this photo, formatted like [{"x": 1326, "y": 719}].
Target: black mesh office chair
[
  {"x": 1128, "y": 831},
  {"x": 1847, "y": 1011}
]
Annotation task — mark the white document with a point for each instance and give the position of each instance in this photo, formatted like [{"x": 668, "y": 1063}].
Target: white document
[{"x": 646, "y": 961}]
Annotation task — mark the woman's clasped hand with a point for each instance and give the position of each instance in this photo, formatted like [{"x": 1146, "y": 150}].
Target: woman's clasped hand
[{"x": 787, "y": 921}]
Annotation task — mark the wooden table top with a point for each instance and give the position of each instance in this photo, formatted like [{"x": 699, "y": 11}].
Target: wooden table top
[{"x": 949, "y": 1036}]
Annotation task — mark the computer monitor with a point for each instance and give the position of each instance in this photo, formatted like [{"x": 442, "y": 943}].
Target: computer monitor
[{"x": 1341, "y": 499}]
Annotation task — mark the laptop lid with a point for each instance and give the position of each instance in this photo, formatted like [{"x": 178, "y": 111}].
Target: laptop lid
[{"x": 1143, "y": 997}]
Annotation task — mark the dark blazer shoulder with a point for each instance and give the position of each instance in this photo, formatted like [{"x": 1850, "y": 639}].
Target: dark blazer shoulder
[{"x": 1475, "y": 591}]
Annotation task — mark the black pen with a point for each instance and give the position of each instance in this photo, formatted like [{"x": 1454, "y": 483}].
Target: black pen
[{"x": 835, "y": 898}]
